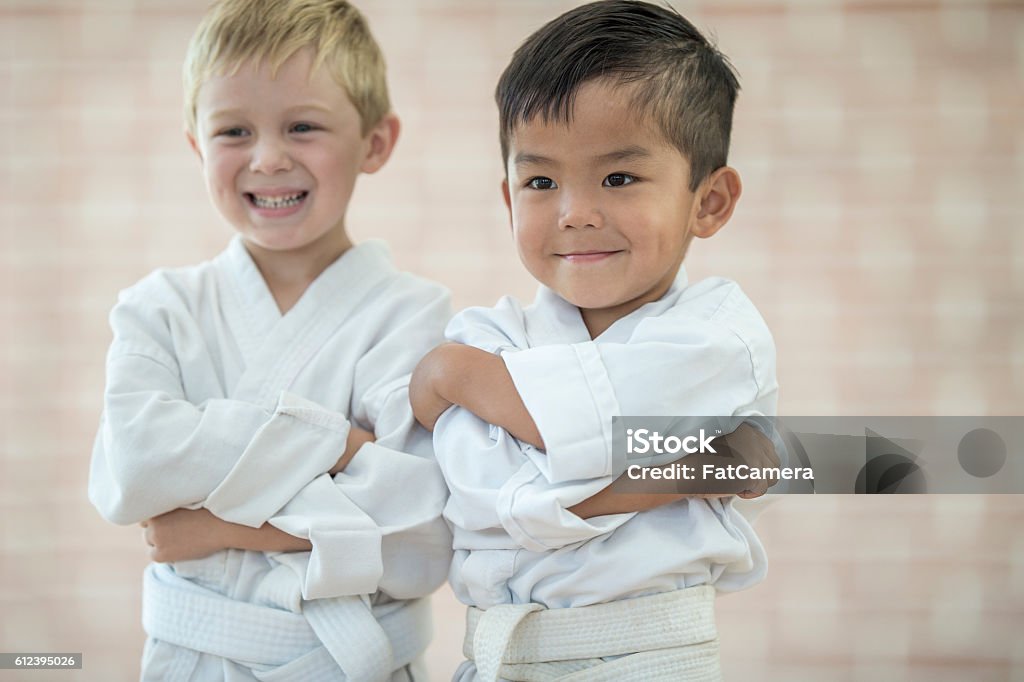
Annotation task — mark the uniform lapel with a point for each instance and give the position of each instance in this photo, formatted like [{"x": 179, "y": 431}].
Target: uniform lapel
[
  {"x": 553, "y": 320},
  {"x": 276, "y": 347}
]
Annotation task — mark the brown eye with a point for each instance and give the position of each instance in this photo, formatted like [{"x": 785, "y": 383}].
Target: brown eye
[
  {"x": 541, "y": 183},
  {"x": 619, "y": 180}
]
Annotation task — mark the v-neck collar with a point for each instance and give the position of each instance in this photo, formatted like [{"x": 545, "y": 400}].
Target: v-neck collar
[
  {"x": 276, "y": 346},
  {"x": 551, "y": 319}
]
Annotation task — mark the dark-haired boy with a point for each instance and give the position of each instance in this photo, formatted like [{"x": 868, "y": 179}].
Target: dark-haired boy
[{"x": 615, "y": 122}]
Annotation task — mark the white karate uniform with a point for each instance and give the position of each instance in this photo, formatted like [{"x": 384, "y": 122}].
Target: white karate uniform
[
  {"x": 700, "y": 350},
  {"x": 214, "y": 399}
]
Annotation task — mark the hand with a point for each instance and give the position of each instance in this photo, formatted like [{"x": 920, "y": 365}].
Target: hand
[
  {"x": 184, "y": 534},
  {"x": 427, "y": 402},
  {"x": 755, "y": 449}
]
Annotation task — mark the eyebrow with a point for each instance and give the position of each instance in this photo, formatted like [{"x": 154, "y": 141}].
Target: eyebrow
[
  {"x": 524, "y": 159},
  {"x": 630, "y": 153},
  {"x": 315, "y": 106},
  {"x": 223, "y": 113},
  {"x": 228, "y": 113}
]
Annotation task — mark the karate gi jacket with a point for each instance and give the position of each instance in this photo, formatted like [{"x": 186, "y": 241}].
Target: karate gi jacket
[
  {"x": 700, "y": 350},
  {"x": 215, "y": 399}
]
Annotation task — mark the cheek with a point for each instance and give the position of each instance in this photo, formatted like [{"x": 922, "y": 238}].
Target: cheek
[
  {"x": 338, "y": 168},
  {"x": 665, "y": 230},
  {"x": 535, "y": 213},
  {"x": 221, "y": 170},
  {"x": 528, "y": 230},
  {"x": 525, "y": 241}
]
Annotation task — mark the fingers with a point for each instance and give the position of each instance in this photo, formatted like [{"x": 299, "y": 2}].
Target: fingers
[
  {"x": 755, "y": 491},
  {"x": 759, "y": 488},
  {"x": 156, "y": 553},
  {"x": 147, "y": 537},
  {"x": 752, "y": 494}
]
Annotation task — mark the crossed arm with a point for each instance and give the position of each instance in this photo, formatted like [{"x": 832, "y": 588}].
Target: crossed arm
[
  {"x": 184, "y": 534},
  {"x": 161, "y": 448},
  {"x": 479, "y": 381},
  {"x": 451, "y": 374}
]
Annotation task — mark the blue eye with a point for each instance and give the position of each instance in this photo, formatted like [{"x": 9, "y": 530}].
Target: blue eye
[
  {"x": 302, "y": 128},
  {"x": 619, "y": 180},
  {"x": 233, "y": 132},
  {"x": 541, "y": 183}
]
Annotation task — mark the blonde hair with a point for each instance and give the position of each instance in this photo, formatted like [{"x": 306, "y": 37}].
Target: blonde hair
[{"x": 236, "y": 31}]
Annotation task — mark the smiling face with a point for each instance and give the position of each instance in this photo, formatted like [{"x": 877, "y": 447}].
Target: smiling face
[
  {"x": 281, "y": 154},
  {"x": 600, "y": 207}
]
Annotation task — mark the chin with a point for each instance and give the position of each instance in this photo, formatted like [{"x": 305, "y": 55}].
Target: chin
[
  {"x": 589, "y": 300},
  {"x": 280, "y": 239}
]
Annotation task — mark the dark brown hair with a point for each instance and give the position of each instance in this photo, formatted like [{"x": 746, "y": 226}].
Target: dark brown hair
[{"x": 677, "y": 78}]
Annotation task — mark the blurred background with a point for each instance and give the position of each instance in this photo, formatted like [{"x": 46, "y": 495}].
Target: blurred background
[{"x": 880, "y": 234}]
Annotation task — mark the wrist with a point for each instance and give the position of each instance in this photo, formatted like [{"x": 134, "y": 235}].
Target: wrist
[
  {"x": 267, "y": 538},
  {"x": 357, "y": 438}
]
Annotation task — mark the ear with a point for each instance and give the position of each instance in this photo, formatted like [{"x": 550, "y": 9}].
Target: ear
[
  {"x": 195, "y": 145},
  {"x": 508, "y": 200},
  {"x": 717, "y": 199},
  {"x": 381, "y": 142}
]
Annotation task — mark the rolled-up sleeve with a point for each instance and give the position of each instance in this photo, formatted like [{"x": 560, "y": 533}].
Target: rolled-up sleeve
[{"x": 573, "y": 391}]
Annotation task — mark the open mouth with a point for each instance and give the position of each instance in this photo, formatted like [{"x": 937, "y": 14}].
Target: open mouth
[{"x": 278, "y": 201}]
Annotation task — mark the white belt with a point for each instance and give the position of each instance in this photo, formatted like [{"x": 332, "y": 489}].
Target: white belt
[
  {"x": 668, "y": 636},
  {"x": 366, "y": 647}
]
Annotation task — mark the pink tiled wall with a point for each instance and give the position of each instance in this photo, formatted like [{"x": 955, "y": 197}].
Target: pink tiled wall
[{"x": 882, "y": 150}]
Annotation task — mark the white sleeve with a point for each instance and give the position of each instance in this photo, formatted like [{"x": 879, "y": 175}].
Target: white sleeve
[
  {"x": 477, "y": 459},
  {"x": 377, "y": 525},
  {"x": 573, "y": 391},
  {"x": 156, "y": 451},
  {"x": 534, "y": 512}
]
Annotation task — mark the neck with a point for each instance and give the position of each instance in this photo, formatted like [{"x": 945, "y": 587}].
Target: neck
[
  {"x": 289, "y": 273},
  {"x": 598, "y": 320}
]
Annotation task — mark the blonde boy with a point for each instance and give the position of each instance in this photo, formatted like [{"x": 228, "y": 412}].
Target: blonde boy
[{"x": 256, "y": 417}]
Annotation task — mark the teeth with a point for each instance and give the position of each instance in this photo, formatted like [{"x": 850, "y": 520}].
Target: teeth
[{"x": 277, "y": 202}]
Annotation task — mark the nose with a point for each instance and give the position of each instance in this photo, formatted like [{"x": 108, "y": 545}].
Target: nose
[
  {"x": 270, "y": 155},
  {"x": 580, "y": 210}
]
